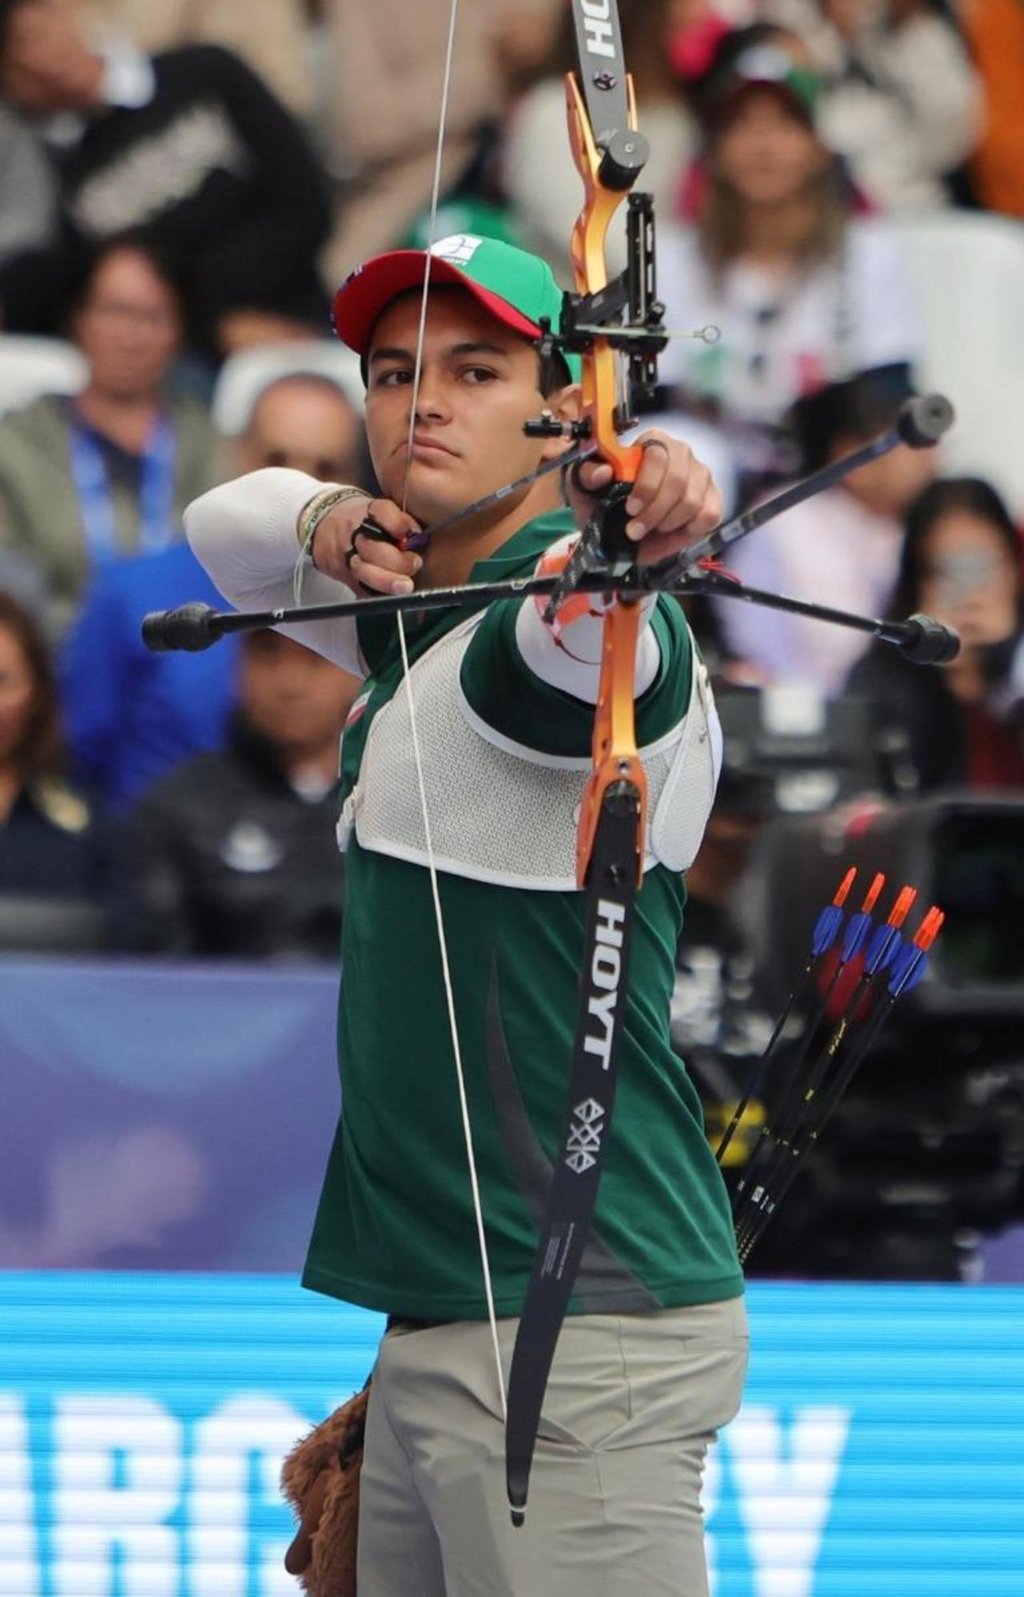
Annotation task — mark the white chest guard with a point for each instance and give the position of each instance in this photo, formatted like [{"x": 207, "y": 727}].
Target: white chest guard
[{"x": 500, "y": 812}]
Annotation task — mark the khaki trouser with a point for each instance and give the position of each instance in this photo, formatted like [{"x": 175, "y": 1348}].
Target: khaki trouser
[{"x": 614, "y": 1507}]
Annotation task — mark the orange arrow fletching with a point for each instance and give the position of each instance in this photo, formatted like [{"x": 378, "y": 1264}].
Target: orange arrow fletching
[
  {"x": 871, "y": 897},
  {"x": 901, "y": 909},
  {"x": 929, "y": 928},
  {"x": 844, "y": 886}
]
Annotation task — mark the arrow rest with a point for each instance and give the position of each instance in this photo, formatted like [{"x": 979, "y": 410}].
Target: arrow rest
[{"x": 603, "y": 543}]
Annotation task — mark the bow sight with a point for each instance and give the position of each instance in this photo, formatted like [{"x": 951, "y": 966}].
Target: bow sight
[{"x": 627, "y": 314}]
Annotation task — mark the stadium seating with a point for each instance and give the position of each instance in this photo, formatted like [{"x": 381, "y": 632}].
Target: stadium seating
[
  {"x": 969, "y": 272},
  {"x": 31, "y": 367}
]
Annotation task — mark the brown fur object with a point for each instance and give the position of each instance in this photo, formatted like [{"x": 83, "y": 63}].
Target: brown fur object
[{"x": 320, "y": 1478}]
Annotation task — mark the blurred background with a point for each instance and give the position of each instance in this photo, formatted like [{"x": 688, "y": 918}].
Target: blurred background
[{"x": 840, "y": 194}]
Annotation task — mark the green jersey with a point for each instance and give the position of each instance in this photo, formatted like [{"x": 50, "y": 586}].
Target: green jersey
[{"x": 505, "y": 755}]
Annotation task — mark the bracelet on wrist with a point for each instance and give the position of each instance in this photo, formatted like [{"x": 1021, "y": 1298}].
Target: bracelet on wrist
[
  {"x": 309, "y": 520},
  {"x": 316, "y": 511}
]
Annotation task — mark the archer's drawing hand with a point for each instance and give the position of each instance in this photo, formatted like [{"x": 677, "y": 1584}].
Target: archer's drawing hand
[
  {"x": 675, "y": 501},
  {"x": 346, "y": 548}
]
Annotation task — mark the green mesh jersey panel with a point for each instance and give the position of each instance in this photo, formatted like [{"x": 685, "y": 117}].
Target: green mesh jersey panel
[{"x": 395, "y": 1228}]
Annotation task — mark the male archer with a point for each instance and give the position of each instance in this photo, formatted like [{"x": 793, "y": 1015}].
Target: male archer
[{"x": 651, "y": 1358}]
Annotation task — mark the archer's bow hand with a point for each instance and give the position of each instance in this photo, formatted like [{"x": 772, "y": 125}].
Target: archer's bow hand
[
  {"x": 366, "y": 543},
  {"x": 674, "y": 503}
]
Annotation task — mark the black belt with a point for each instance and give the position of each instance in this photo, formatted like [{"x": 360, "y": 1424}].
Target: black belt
[{"x": 407, "y": 1322}]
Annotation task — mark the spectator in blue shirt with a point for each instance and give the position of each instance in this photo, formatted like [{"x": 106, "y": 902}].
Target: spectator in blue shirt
[{"x": 130, "y": 715}]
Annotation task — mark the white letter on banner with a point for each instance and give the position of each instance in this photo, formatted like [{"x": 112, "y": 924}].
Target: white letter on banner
[
  {"x": 252, "y": 1425},
  {"x": 117, "y": 1478},
  {"x": 19, "y": 1549},
  {"x": 784, "y": 1487}
]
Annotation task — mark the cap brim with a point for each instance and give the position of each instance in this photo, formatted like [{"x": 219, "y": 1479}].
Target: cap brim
[
  {"x": 741, "y": 87},
  {"x": 364, "y": 297}
]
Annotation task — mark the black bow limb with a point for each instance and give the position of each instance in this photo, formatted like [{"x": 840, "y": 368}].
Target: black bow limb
[{"x": 920, "y": 424}]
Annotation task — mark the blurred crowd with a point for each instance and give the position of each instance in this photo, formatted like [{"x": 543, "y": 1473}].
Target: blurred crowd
[{"x": 840, "y": 196}]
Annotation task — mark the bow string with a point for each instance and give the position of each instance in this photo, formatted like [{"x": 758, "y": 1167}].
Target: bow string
[
  {"x": 435, "y": 889},
  {"x": 598, "y": 321}
]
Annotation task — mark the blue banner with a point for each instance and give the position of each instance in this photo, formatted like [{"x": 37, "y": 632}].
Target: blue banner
[
  {"x": 170, "y": 1115},
  {"x": 163, "y": 1115},
  {"x": 880, "y": 1449}
]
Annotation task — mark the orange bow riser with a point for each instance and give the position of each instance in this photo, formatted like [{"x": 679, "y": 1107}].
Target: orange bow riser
[{"x": 598, "y": 321}]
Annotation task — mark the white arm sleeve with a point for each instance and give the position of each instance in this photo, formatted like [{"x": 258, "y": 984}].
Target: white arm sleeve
[
  {"x": 929, "y": 63},
  {"x": 245, "y": 534}
]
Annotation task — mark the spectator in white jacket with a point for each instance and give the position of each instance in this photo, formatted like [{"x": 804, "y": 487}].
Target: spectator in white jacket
[
  {"x": 901, "y": 101},
  {"x": 802, "y": 291}
]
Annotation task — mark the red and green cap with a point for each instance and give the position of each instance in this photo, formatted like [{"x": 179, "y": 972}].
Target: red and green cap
[
  {"x": 766, "y": 66},
  {"x": 516, "y": 288}
]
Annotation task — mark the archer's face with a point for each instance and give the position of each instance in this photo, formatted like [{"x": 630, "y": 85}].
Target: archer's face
[{"x": 479, "y": 384}]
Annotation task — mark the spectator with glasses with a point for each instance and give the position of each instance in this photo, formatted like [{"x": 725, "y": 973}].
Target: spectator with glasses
[
  {"x": 87, "y": 480},
  {"x": 961, "y": 725}
]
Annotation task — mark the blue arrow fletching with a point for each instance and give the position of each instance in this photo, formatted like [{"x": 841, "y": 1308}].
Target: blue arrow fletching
[
  {"x": 826, "y": 929},
  {"x": 882, "y": 949},
  {"x": 856, "y": 934},
  {"x": 907, "y": 970}
]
